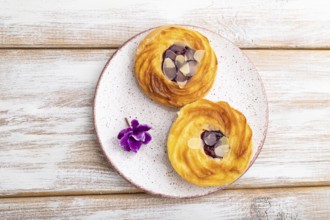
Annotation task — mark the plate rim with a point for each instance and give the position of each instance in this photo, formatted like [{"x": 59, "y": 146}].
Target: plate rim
[{"x": 150, "y": 191}]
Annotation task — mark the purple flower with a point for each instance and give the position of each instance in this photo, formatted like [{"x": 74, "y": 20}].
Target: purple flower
[{"x": 134, "y": 136}]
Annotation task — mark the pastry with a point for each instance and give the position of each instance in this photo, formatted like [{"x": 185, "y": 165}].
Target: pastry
[
  {"x": 175, "y": 65},
  {"x": 210, "y": 143}
]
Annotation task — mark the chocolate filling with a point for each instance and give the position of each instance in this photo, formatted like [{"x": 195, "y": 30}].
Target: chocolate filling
[
  {"x": 211, "y": 140},
  {"x": 179, "y": 63}
]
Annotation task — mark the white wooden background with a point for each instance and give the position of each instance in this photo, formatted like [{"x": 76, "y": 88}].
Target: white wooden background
[{"x": 51, "y": 55}]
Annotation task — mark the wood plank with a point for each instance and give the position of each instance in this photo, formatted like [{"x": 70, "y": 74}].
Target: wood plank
[
  {"x": 298, "y": 203},
  {"x": 47, "y": 141},
  {"x": 99, "y": 23},
  {"x": 47, "y": 125}
]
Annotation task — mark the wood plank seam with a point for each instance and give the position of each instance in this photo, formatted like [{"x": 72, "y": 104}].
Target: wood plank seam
[
  {"x": 138, "y": 192},
  {"x": 155, "y": 196}
]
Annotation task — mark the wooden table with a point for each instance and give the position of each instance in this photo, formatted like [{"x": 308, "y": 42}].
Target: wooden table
[{"x": 51, "y": 57}]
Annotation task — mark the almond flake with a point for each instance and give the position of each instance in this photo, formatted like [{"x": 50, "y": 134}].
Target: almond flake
[
  {"x": 195, "y": 143},
  {"x": 224, "y": 140},
  {"x": 221, "y": 150},
  {"x": 198, "y": 56},
  {"x": 185, "y": 69},
  {"x": 168, "y": 63},
  {"x": 181, "y": 84},
  {"x": 179, "y": 60}
]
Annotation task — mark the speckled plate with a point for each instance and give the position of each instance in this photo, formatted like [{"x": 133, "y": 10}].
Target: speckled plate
[{"x": 118, "y": 95}]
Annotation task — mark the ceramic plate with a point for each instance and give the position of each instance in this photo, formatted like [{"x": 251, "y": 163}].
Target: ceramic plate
[{"x": 118, "y": 95}]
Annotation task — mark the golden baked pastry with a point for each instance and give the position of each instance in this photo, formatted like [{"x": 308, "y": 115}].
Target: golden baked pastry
[
  {"x": 175, "y": 65},
  {"x": 210, "y": 144}
]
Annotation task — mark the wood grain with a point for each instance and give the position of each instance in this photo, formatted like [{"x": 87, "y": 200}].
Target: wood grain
[
  {"x": 98, "y": 23},
  {"x": 47, "y": 141},
  {"x": 300, "y": 203}
]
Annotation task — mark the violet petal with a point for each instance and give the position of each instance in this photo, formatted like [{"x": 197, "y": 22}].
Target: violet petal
[
  {"x": 133, "y": 144},
  {"x": 123, "y": 132},
  {"x": 134, "y": 123},
  {"x": 143, "y": 128},
  {"x": 124, "y": 140},
  {"x": 139, "y": 136},
  {"x": 147, "y": 138},
  {"x": 126, "y": 147}
]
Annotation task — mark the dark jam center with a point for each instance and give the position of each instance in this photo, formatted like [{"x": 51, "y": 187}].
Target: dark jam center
[
  {"x": 178, "y": 63},
  {"x": 210, "y": 140}
]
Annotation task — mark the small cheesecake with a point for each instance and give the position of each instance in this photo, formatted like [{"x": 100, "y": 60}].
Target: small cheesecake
[
  {"x": 175, "y": 65},
  {"x": 210, "y": 143}
]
